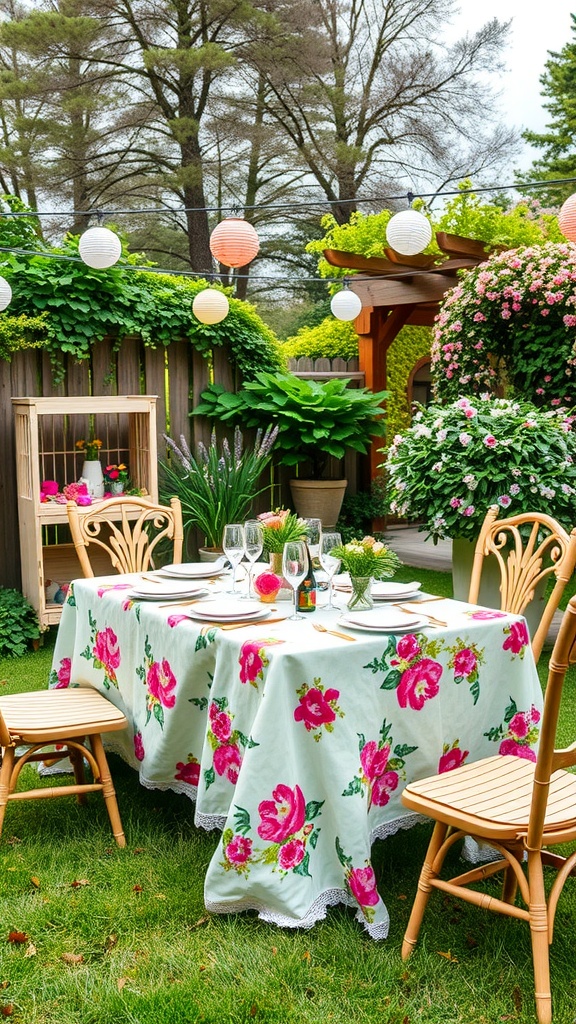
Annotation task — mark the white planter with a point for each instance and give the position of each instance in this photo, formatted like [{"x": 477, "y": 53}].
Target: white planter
[
  {"x": 210, "y": 554},
  {"x": 489, "y": 596},
  {"x": 93, "y": 477}
]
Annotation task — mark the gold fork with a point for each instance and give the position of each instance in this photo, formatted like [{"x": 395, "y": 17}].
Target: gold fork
[
  {"x": 333, "y": 632},
  {"x": 431, "y": 618}
]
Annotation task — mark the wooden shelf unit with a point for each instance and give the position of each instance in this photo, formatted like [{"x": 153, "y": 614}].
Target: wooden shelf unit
[{"x": 46, "y": 432}]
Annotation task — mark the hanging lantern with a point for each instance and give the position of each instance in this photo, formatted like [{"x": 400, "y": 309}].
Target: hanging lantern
[
  {"x": 408, "y": 232},
  {"x": 210, "y": 306},
  {"x": 5, "y": 293},
  {"x": 346, "y": 305},
  {"x": 99, "y": 248},
  {"x": 567, "y": 218},
  {"x": 234, "y": 242}
]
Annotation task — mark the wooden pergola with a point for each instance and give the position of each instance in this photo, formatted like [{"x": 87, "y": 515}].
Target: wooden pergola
[{"x": 398, "y": 290}]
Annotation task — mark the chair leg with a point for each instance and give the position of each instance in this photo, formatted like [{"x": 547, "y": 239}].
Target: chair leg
[
  {"x": 424, "y": 890},
  {"x": 108, "y": 791},
  {"x": 5, "y": 779},
  {"x": 510, "y": 883},
  {"x": 77, "y": 762},
  {"x": 539, "y": 935}
]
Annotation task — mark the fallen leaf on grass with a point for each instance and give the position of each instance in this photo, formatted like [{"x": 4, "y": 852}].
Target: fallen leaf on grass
[
  {"x": 517, "y": 997},
  {"x": 30, "y": 950},
  {"x": 7, "y": 1010},
  {"x": 79, "y": 882},
  {"x": 35, "y": 881},
  {"x": 448, "y": 956},
  {"x": 137, "y": 850},
  {"x": 72, "y": 958},
  {"x": 306, "y": 955},
  {"x": 200, "y": 922},
  {"x": 17, "y": 937},
  {"x": 120, "y": 983},
  {"x": 137, "y": 888},
  {"x": 111, "y": 941},
  {"x": 4, "y": 984}
]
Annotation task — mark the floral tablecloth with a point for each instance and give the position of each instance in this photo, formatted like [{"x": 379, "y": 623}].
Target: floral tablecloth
[{"x": 294, "y": 743}]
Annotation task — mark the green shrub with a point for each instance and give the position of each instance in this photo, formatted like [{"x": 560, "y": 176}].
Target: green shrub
[
  {"x": 18, "y": 624},
  {"x": 331, "y": 339}
]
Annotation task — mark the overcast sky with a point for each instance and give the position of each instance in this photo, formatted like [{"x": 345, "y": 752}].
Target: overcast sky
[{"x": 535, "y": 30}]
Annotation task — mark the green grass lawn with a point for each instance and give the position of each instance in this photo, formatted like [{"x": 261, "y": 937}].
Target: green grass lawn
[{"x": 115, "y": 936}]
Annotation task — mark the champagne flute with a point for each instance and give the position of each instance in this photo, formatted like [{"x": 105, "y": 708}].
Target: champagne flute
[
  {"x": 294, "y": 568},
  {"x": 330, "y": 564},
  {"x": 233, "y": 544},
  {"x": 313, "y": 531},
  {"x": 254, "y": 542}
]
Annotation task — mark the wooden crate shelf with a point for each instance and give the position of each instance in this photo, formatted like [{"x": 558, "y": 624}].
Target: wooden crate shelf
[{"x": 46, "y": 432}]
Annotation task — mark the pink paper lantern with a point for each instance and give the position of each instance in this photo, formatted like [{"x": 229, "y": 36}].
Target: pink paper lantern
[
  {"x": 567, "y": 218},
  {"x": 234, "y": 242}
]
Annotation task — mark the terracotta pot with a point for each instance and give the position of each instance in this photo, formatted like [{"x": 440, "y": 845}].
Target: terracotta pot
[{"x": 319, "y": 499}]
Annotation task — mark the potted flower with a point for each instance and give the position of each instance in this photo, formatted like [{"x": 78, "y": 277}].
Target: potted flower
[
  {"x": 216, "y": 484},
  {"x": 91, "y": 473},
  {"x": 116, "y": 477},
  {"x": 457, "y": 460},
  {"x": 365, "y": 560},
  {"x": 316, "y": 421}
]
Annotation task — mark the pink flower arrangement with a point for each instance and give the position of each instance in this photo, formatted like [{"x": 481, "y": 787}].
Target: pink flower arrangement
[
  {"x": 49, "y": 491},
  {"x": 267, "y": 585}
]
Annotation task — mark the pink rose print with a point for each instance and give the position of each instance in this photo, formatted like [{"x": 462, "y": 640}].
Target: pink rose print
[
  {"x": 517, "y": 638},
  {"x": 114, "y": 586},
  {"x": 252, "y": 662},
  {"x": 510, "y": 746},
  {"x": 362, "y": 882},
  {"x": 238, "y": 850},
  {"x": 291, "y": 854},
  {"x": 486, "y": 613},
  {"x": 519, "y": 725},
  {"x": 107, "y": 651},
  {"x": 419, "y": 683},
  {"x": 382, "y": 787},
  {"x": 139, "y": 746},
  {"x": 282, "y": 816},
  {"x": 63, "y": 674},
  {"x": 227, "y": 761},
  {"x": 452, "y": 758},
  {"x": 465, "y": 662},
  {"x": 317, "y": 707},
  {"x": 374, "y": 760},
  {"x": 161, "y": 681},
  {"x": 408, "y": 647},
  {"x": 174, "y": 620},
  {"x": 220, "y": 723},
  {"x": 188, "y": 771}
]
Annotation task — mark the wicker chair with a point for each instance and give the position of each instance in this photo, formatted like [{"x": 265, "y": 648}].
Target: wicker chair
[
  {"x": 72, "y": 718},
  {"x": 128, "y": 529},
  {"x": 529, "y": 548},
  {"x": 521, "y": 808}
]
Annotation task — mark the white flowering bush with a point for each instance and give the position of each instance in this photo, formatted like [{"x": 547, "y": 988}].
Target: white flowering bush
[
  {"x": 511, "y": 320},
  {"x": 456, "y": 460}
]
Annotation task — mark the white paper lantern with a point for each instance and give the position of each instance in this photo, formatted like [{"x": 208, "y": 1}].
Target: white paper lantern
[
  {"x": 567, "y": 218},
  {"x": 99, "y": 248},
  {"x": 210, "y": 306},
  {"x": 408, "y": 232},
  {"x": 346, "y": 305},
  {"x": 5, "y": 293}
]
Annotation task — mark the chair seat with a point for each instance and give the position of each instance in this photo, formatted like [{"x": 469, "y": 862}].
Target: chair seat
[
  {"x": 59, "y": 714},
  {"x": 493, "y": 797}
]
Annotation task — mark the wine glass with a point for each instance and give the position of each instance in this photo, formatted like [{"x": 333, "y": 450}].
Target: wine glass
[
  {"x": 254, "y": 542},
  {"x": 294, "y": 568},
  {"x": 313, "y": 531},
  {"x": 328, "y": 561},
  {"x": 233, "y": 544}
]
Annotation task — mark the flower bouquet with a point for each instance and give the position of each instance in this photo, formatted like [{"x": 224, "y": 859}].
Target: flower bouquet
[
  {"x": 279, "y": 527},
  {"x": 365, "y": 560},
  {"x": 267, "y": 586},
  {"x": 91, "y": 448},
  {"x": 116, "y": 474}
]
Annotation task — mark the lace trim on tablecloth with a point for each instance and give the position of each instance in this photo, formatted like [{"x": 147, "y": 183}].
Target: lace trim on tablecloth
[{"x": 317, "y": 912}]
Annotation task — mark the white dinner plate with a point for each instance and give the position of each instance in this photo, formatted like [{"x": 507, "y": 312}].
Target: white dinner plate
[
  {"x": 383, "y": 620},
  {"x": 167, "y": 590},
  {"x": 383, "y": 590},
  {"x": 191, "y": 570},
  {"x": 221, "y": 610}
]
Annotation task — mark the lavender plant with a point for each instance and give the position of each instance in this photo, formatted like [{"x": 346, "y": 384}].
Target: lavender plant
[{"x": 218, "y": 483}]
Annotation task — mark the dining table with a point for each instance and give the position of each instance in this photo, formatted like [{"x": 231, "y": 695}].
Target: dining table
[{"x": 295, "y": 738}]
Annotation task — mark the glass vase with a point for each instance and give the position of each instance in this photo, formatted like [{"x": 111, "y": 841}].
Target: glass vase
[{"x": 361, "y": 597}]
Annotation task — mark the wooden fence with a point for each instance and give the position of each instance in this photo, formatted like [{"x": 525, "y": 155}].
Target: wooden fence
[{"x": 177, "y": 374}]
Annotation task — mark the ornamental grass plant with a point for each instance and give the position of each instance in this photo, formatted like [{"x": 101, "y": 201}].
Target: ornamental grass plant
[
  {"x": 457, "y": 460},
  {"x": 218, "y": 483}
]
